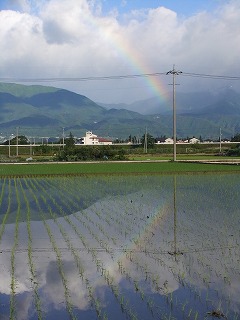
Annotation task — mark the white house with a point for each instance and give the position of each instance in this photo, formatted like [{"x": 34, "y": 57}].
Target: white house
[
  {"x": 168, "y": 141},
  {"x": 194, "y": 140},
  {"x": 93, "y": 139},
  {"x": 90, "y": 138}
]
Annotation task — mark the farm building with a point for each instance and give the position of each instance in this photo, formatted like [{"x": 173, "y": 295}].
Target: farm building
[{"x": 93, "y": 139}]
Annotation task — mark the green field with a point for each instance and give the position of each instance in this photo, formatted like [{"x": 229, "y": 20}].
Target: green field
[{"x": 31, "y": 169}]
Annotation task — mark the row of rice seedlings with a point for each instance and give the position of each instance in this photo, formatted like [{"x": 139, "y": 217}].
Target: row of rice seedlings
[
  {"x": 103, "y": 270},
  {"x": 173, "y": 304},
  {"x": 105, "y": 215},
  {"x": 13, "y": 285},
  {"x": 72, "y": 187},
  {"x": 101, "y": 218},
  {"x": 73, "y": 200},
  {"x": 94, "y": 301},
  {"x": 122, "y": 270},
  {"x": 80, "y": 267},
  {"x": 144, "y": 269},
  {"x": 1, "y": 198},
  {"x": 208, "y": 272},
  {"x": 205, "y": 274},
  {"x": 125, "y": 306},
  {"x": 2, "y": 191},
  {"x": 69, "y": 305},
  {"x": 103, "y": 244},
  {"x": 104, "y": 273},
  {"x": 7, "y": 211},
  {"x": 32, "y": 269},
  {"x": 216, "y": 293},
  {"x": 148, "y": 276},
  {"x": 209, "y": 230}
]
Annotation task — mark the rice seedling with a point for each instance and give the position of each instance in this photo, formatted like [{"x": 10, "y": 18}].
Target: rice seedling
[
  {"x": 13, "y": 314},
  {"x": 33, "y": 278},
  {"x": 73, "y": 251},
  {"x": 2, "y": 191},
  {"x": 69, "y": 305},
  {"x": 7, "y": 211},
  {"x": 122, "y": 243}
]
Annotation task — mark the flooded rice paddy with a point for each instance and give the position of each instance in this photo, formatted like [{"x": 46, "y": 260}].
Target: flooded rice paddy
[{"x": 120, "y": 247}]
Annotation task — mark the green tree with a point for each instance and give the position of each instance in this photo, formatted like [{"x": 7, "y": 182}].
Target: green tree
[
  {"x": 21, "y": 140},
  {"x": 234, "y": 151},
  {"x": 70, "y": 142},
  {"x": 150, "y": 140},
  {"x": 236, "y": 138},
  {"x": 43, "y": 149}
]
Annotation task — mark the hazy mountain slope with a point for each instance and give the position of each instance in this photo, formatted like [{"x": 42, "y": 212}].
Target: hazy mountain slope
[
  {"x": 45, "y": 111},
  {"x": 19, "y": 90},
  {"x": 185, "y": 102}
]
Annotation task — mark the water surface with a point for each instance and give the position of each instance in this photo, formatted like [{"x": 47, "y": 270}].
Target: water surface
[{"x": 136, "y": 247}]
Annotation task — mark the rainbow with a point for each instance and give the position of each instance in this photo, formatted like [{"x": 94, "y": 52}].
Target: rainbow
[
  {"x": 132, "y": 57},
  {"x": 152, "y": 221}
]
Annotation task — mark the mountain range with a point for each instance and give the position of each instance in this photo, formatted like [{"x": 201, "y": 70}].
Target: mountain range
[{"x": 45, "y": 111}]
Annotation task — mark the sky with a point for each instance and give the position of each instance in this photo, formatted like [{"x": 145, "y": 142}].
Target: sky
[{"x": 60, "y": 42}]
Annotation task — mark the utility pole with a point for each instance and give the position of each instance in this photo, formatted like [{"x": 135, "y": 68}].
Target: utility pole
[
  {"x": 30, "y": 146},
  {"x": 17, "y": 142},
  {"x": 63, "y": 134},
  {"x": 145, "y": 141},
  {"x": 9, "y": 146},
  {"x": 220, "y": 141},
  {"x": 174, "y": 74}
]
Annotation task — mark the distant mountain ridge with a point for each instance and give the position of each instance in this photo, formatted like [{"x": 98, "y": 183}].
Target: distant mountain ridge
[
  {"x": 45, "y": 111},
  {"x": 186, "y": 103}
]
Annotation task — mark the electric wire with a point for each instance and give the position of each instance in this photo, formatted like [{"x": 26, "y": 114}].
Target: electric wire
[
  {"x": 210, "y": 76},
  {"x": 91, "y": 78},
  {"x": 119, "y": 77}
]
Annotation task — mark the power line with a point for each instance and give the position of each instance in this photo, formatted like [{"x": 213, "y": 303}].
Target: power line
[
  {"x": 210, "y": 76},
  {"x": 72, "y": 79},
  {"x": 118, "y": 77}
]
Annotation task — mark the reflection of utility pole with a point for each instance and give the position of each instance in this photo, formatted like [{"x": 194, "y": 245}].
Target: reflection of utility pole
[
  {"x": 145, "y": 141},
  {"x": 174, "y": 73},
  {"x": 175, "y": 252},
  {"x": 175, "y": 214}
]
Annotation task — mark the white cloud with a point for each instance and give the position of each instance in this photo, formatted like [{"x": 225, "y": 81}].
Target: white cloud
[{"x": 71, "y": 38}]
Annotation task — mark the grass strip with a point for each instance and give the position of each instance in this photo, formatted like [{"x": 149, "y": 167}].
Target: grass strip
[{"x": 85, "y": 168}]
